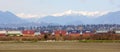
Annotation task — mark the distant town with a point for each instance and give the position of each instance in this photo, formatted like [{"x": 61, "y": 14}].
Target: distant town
[{"x": 39, "y": 28}]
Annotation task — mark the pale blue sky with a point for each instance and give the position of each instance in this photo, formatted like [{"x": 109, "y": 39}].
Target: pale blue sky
[{"x": 54, "y": 6}]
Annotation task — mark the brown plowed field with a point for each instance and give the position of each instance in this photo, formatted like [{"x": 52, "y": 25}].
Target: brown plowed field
[{"x": 59, "y": 47}]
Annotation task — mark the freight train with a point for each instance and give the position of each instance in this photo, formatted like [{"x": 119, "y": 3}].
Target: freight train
[{"x": 56, "y": 32}]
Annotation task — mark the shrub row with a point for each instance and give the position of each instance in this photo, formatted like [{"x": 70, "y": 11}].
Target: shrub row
[{"x": 66, "y": 37}]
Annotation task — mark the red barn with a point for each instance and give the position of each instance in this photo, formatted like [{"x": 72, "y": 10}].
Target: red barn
[
  {"x": 28, "y": 33},
  {"x": 3, "y": 33},
  {"x": 60, "y": 32}
]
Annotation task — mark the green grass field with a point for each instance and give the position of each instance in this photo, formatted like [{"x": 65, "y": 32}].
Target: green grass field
[{"x": 59, "y": 47}]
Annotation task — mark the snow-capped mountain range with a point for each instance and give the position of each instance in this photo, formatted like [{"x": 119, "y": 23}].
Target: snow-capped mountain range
[{"x": 66, "y": 18}]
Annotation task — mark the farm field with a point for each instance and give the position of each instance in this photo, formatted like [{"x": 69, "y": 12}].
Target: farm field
[{"x": 59, "y": 47}]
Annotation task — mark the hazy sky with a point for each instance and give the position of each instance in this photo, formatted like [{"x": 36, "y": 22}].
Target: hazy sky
[{"x": 56, "y": 6}]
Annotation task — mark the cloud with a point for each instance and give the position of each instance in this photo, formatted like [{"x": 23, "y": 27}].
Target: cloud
[
  {"x": 111, "y": 1},
  {"x": 85, "y": 13},
  {"x": 83, "y": 0}
]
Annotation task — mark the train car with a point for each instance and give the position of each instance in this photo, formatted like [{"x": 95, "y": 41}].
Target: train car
[
  {"x": 14, "y": 33},
  {"x": 3, "y": 33},
  {"x": 28, "y": 33}
]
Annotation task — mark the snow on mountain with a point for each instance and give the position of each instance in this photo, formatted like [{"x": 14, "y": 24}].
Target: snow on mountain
[{"x": 66, "y": 18}]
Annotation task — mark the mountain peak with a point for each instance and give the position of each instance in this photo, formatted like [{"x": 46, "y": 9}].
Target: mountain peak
[
  {"x": 84, "y": 13},
  {"x": 7, "y": 17}
]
